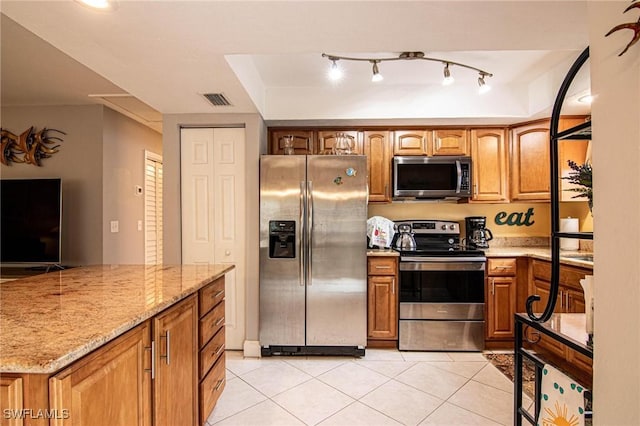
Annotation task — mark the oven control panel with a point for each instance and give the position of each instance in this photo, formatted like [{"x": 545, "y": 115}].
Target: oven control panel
[{"x": 432, "y": 226}]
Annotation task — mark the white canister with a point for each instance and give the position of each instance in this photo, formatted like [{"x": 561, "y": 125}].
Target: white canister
[{"x": 569, "y": 224}]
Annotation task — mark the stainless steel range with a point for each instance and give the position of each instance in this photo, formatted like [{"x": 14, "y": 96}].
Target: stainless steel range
[{"x": 441, "y": 290}]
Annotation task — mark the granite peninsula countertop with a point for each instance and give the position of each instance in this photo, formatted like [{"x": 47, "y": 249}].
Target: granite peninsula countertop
[{"x": 50, "y": 320}]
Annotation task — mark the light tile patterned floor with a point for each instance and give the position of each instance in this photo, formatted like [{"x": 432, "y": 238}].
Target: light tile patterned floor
[{"x": 385, "y": 387}]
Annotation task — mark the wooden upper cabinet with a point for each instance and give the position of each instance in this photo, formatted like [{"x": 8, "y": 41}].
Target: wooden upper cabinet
[
  {"x": 303, "y": 141},
  {"x": 450, "y": 142},
  {"x": 489, "y": 168},
  {"x": 411, "y": 142},
  {"x": 376, "y": 148},
  {"x": 327, "y": 140},
  {"x": 530, "y": 162}
]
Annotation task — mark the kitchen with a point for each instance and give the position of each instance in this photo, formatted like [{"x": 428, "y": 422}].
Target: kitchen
[{"x": 612, "y": 205}]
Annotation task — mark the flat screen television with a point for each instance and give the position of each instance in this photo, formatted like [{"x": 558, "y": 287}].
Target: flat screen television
[{"x": 31, "y": 218}]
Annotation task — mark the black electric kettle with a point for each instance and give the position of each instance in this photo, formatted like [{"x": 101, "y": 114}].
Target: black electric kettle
[{"x": 405, "y": 240}]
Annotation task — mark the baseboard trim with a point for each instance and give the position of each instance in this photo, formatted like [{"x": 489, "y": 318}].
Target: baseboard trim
[{"x": 252, "y": 349}]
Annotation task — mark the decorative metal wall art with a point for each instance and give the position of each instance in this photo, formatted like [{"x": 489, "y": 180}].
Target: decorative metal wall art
[
  {"x": 634, "y": 26},
  {"x": 30, "y": 147}
]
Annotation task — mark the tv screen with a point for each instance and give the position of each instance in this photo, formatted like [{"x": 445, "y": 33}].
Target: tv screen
[{"x": 30, "y": 212}]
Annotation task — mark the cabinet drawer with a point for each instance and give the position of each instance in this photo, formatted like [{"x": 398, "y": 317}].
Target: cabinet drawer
[
  {"x": 211, "y": 352},
  {"x": 211, "y": 323},
  {"x": 210, "y": 389},
  {"x": 569, "y": 276},
  {"x": 211, "y": 295},
  {"x": 501, "y": 267},
  {"x": 382, "y": 266}
]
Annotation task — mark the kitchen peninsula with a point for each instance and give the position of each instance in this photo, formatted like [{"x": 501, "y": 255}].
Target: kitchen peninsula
[{"x": 113, "y": 344}]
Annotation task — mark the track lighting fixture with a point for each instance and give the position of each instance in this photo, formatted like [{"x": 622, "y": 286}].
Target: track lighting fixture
[
  {"x": 408, "y": 56},
  {"x": 376, "y": 72},
  {"x": 484, "y": 87}
]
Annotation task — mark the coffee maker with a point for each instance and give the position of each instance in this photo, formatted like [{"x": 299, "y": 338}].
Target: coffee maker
[{"x": 477, "y": 234}]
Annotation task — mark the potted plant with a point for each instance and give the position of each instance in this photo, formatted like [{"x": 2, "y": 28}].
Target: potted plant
[{"x": 581, "y": 176}]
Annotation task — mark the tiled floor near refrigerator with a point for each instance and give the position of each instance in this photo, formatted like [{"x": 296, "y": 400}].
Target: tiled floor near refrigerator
[{"x": 385, "y": 387}]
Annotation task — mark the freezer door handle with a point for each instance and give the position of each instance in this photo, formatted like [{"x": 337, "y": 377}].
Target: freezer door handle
[
  {"x": 309, "y": 229},
  {"x": 301, "y": 220}
]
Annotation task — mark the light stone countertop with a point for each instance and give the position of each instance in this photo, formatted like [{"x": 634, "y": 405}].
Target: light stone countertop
[
  {"x": 542, "y": 253},
  {"x": 50, "y": 320}
]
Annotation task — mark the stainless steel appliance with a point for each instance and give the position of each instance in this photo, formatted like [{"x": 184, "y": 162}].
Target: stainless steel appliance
[
  {"x": 431, "y": 177},
  {"x": 441, "y": 290},
  {"x": 313, "y": 264},
  {"x": 477, "y": 233}
]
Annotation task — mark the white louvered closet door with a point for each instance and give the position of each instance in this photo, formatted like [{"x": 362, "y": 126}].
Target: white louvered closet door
[
  {"x": 152, "y": 208},
  {"x": 213, "y": 214}
]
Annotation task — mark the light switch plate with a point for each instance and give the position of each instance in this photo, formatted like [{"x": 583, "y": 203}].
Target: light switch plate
[
  {"x": 114, "y": 226},
  {"x": 139, "y": 225}
]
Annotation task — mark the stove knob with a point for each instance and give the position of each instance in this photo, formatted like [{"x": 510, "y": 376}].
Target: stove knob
[
  {"x": 444, "y": 227},
  {"x": 452, "y": 227},
  {"x": 451, "y": 240}
]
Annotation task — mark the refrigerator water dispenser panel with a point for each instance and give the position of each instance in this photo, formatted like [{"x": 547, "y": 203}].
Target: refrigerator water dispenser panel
[{"x": 282, "y": 239}]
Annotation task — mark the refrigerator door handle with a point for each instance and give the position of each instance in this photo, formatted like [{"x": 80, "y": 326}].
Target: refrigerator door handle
[
  {"x": 302, "y": 255},
  {"x": 309, "y": 229}
]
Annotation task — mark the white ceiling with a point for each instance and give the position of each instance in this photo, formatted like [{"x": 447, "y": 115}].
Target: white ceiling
[{"x": 265, "y": 57}]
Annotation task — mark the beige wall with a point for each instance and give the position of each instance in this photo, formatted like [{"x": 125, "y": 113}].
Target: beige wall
[
  {"x": 78, "y": 164},
  {"x": 539, "y": 217},
  {"x": 255, "y": 133},
  {"x": 616, "y": 156},
  {"x": 124, "y": 145}
]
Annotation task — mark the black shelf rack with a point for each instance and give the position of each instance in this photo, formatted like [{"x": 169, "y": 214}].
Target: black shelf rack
[{"x": 531, "y": 319}]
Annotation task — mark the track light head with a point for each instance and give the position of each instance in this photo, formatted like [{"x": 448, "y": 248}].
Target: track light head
[
  {"x": 376, "y": 72},
  {"x": 484, "y": 87},
  {"x": 448, "y": 80}
]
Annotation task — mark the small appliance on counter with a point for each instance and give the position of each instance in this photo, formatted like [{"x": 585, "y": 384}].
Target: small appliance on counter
[{"x": 477, "y": 234}]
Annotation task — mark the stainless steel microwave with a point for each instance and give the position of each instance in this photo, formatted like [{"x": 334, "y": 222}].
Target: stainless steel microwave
[{"x": 431, "y": 177}]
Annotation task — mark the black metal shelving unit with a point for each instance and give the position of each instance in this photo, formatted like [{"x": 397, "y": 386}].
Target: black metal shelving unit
[{"x": 537, "y": 322}]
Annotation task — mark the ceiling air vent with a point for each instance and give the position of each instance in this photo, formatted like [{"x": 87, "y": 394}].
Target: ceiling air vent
[{"x": 217, "y": 99}]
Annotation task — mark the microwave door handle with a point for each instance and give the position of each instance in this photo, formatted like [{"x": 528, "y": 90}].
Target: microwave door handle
[{"x": 459, "y": 179}]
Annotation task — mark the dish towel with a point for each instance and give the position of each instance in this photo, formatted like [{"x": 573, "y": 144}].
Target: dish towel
[
  {"x": 562, "y": 399},
  {"x": 380, "y": 231}
]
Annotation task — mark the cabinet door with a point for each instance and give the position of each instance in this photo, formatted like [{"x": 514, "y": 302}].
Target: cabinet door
[
  {"x": 530, "y": 162},
  {"x": 376, "y": 148},
  {"x": 327, "y": 140},
  {"x": 302, "y": 141},
  {"x": 111, "y": 386},
  {"x": 11, "y": 399},
  {"x": 450, "y": 142},
  {"x": 382, "y": 307},
  {"x": 489, "y": 170},
  {"x": 574, "y": 301},
  {"x": 501, "y": 307},
  {"x": 176, "y": 382},
  {"x": 411, "y": 142}
]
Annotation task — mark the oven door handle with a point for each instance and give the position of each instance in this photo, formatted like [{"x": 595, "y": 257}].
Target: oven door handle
[{"x": 426, "y": 264}]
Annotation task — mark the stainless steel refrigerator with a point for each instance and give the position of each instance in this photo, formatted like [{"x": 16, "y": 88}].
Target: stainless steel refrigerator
[{"x": 313, "y": 265}]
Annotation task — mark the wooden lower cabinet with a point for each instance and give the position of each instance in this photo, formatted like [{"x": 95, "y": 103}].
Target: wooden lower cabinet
[
  {"x": 501, "y": 298},
  {"x": 570, "y": 299},
  {"x": 382, "y": 295},
  {"x": 111, "y": 386},
  {"x": 212, "y": 370},
  {"x": 175, "y": 391}
]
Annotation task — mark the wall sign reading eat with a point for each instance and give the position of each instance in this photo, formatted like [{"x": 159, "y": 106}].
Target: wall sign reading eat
[{"x": 515, "y": 218}]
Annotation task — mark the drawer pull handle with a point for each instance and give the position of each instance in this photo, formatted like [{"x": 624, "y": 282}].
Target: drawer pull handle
[
  {"x": 220, "y": 382},
  {"x": 504, "y": 267},
  {"x": 220, "y": 321},
  {"x": 383, "y": 267},
  {"x": 215, "y": 296},
  {"x": 218, "y": 350}
]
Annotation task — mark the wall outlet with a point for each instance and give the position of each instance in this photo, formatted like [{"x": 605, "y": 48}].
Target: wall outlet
[
  {"x": 114, "y": 226},
  {"x": 138, "y": 190}
]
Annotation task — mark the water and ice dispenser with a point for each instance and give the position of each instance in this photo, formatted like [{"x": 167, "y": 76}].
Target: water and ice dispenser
[{"x": 282, "y": 239}]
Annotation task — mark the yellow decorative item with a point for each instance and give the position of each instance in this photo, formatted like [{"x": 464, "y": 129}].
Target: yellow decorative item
[{"x": 562, "y": 400}]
